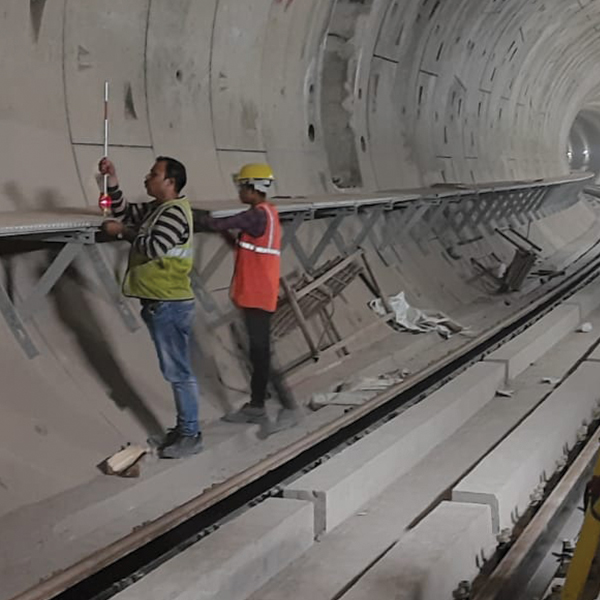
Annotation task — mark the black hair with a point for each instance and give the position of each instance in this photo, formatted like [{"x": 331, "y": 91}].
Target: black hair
[{"x": 174, "y": 170}]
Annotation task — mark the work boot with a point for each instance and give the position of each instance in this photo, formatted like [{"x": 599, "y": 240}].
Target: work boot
[
  {"x": 184, "y": 445},
  {"x": 247, "y": 414}
]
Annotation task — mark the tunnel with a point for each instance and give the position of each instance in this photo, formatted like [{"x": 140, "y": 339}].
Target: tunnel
[{"x": 419, "y": 134}]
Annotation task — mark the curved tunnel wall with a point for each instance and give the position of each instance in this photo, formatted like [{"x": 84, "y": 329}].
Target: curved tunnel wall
[
  {"x": 370, "y": 94},
  {"x": 583, "y": 150}
]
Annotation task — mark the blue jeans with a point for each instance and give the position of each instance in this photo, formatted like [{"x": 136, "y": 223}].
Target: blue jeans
[{"x": 170, "y": 326}]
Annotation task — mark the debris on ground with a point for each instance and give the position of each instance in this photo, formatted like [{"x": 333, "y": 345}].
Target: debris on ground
[
  {"x": 125, "y": 462},
  {"x": 551, "y": 380},
  {"x": 586, "y": 327},
  {"x": 505, "y": 393},
  {"x": 415, "y": 320},
  {"x": 357, "y": 391}
]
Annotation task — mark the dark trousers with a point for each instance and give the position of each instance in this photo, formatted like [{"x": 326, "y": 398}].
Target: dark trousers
[{"x": 258, "y": 324}]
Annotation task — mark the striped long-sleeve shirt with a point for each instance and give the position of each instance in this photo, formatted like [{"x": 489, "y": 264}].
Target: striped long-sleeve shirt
[
  {"x": 170, "y": 230},
  {"x": 252, "y": 221}
]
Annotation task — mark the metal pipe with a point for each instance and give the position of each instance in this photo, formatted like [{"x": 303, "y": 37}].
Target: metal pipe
[
  {"x": 105, "y": 182},
  {"x": 525, "y": 239},
  {"x": 300, "y": 318}
]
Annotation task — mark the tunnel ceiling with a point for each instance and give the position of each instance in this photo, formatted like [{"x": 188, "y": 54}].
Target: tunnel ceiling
[{"x": 346, "y": 94}]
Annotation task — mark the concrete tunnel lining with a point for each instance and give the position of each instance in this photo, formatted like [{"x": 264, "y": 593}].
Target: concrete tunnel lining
[
  {"x": 444, "y": 87},
  {"x": 339, "y": 96}
]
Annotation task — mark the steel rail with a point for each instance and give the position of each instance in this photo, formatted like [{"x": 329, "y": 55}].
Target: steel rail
[{"x": 500, "y": 578}]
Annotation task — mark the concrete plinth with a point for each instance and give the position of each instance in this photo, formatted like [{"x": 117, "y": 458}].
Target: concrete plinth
[
  {"x": 234, "y": 561},
  {"x": 358, "y": 474},
  {"x": 506, "y": 478},
  {"x": 429, "y": 562},
  {"x": 535, "y": 341},
  {"x": 588, "y": 299}
]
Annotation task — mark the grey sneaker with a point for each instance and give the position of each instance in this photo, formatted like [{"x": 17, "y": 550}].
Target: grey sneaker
[
  {"x": 184, "y": 445},
  {"x": 160, "y": 441},
  {"x": 289, "y": 417},
  {"x": 286, "y": 419},
  {"x": 247, "y": 414}
]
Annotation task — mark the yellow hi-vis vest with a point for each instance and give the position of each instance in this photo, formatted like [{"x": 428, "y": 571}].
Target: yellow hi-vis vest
[{"x": 166, "y": 277}]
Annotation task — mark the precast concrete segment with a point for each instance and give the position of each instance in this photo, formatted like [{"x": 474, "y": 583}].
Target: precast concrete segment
[
  {"x": 536, "y": 340},
  {"x": 325, "y": 570},
  {"x": 506, "y": 478},
  {"x": 359, "y": 473},
  {"x": 234, "y": 561},
  {"x": 472, "y": 81},
  {"x": 429, "y": 562}
]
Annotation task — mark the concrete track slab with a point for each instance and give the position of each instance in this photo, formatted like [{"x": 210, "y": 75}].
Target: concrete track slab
[
  {"x": 430, "y": 561},
  {"x": 340, "y": 486},
  {"x": 74, "y": 524},
  {"x": 344, "y": 554},
  {"x": 506, "y": 478},
  {"x": 536, "y": 340},
  {"x": 234, "y": 561},
  {"x": 588, "y": 298}
]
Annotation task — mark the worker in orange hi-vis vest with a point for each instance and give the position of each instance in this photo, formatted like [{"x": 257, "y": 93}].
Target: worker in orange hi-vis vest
[{"x": 255, "y": 288}]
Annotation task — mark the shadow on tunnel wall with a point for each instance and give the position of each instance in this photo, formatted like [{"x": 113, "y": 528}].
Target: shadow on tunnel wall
[
  {"x": 205, "y": 365},
  {"x": 78, "y": 315}
]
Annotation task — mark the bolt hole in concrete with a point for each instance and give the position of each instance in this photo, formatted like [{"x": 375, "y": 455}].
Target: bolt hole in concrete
[
  {"x": 178, "y": 75},
  {"x": 311, "y": 133},
  {"x": 583, "y": 146}
]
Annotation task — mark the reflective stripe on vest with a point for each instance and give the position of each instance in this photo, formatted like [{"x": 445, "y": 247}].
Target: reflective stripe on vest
[
  {"x": 259, "y": 249},
  {"x": 268, "y": 249},
  {"x": 255, "y": 282},
  {"x": 180, "y": 253}
]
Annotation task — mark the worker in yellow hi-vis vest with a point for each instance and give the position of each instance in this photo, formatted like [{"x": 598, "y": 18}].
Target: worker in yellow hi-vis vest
[{"x": 158, "y": 274}]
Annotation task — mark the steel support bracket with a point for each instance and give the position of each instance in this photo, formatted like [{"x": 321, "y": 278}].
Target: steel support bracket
[{"x": 18, "y": 312}]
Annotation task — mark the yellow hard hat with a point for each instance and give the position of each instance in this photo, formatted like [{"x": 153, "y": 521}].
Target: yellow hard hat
[
  {"x": 258, "y": 175},
  {"x": 255, "y": 171}
]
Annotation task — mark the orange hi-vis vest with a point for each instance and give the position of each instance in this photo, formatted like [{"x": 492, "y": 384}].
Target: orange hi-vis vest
[{"x": 255, "y": 282}]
